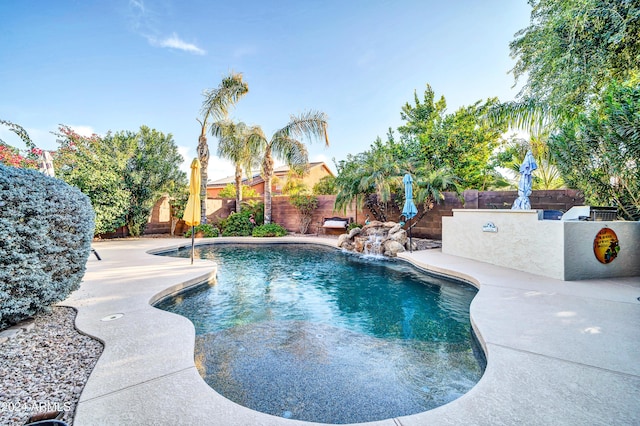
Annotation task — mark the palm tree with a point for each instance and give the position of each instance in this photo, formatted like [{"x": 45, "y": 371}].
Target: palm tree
[
  {"x": 216, "y": 106},
  {"x": 285, "y": 145},
  {"x": 547, "y": 175},
  {"x": 236, "y": 145}
]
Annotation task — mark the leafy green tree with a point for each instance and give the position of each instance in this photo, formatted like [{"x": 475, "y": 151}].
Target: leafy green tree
[
  {"x": 572, "y": 50},
  {"x": 235, "y": 144},
  {"x": 152, "y": 170},
  {"x": 295, "y": 184},
  {"x": 215, "y": 107},
  {"x": 97, "y": 169},
  {"x": 123, "y": 174},
  {"x": 286, "y": 145},
  {"x": 229, "y": 191},
  {"x": 599, "y": 152},
  {"x": 326, "y": 186},
  {"x": 463, "y": 142}
]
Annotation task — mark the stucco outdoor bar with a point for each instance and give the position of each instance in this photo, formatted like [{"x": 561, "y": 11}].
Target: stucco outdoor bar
[{"x": 563, "y": 249}]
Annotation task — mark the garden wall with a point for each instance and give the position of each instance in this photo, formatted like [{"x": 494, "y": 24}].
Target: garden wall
[{"x": 430, "y": 226}]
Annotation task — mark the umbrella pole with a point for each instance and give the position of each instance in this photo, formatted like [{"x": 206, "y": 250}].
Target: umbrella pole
[{"x": 193, "y": 242}]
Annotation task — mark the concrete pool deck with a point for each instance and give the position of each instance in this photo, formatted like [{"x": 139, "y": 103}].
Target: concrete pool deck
[{"x": 559, "y": 352}]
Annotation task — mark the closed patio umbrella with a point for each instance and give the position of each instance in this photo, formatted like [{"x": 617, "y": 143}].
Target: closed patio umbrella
[
  {"x": 191, "y": 214},
  {"x": 409, "y": 210},
  {"x": 524, "y": 186}
]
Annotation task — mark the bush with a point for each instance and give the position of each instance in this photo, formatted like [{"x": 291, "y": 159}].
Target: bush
[
  {"x": 305, "y": 204},
  {"x": 269, "y": 230},
  {"x": 208, "y": 231},
  {"x": 237, "y": 225},
  {"x": 256, "y": 208},
  {"x": 353, "y": 225},
  {"x": 46, "y": 228}
]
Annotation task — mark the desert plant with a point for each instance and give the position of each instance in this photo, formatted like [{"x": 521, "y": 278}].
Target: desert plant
[
  {"x": 269, "y": 230},
  {"x": 46, "y": 228}
]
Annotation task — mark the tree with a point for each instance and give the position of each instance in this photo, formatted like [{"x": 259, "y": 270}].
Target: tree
[
  {"x": 599, "y": 152},
  {"x": 152, "y": 170},
  {"x": 215, "y": 107},
  {"x": 374, "y": 178},
  {"x": 285, "y": 144},
  {"x": 96, "y": 169},
  {"x": 295, "y": 184},
  {"x": 229, "y": 191},
  {"x": 573, "y": 49},
  {"x": 235, "y": 144},
  {"x": 123, "y": 174},
  {"x": 462, "y": 142},
  {"x": 326, "y": 186}
]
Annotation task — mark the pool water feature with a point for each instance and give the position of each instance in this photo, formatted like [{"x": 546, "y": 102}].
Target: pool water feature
[{"x": 312, "y": 333}]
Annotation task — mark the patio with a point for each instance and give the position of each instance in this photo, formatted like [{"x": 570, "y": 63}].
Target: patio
[{"x": 559, "y": 352}]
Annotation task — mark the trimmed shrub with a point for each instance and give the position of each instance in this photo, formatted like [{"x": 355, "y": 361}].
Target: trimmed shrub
[
  {"x": 237, "y": 225},
  {"x": 208, "y": 231},
  {"x": 269, "y": 230},
  {"x": 46, "y": 229}
]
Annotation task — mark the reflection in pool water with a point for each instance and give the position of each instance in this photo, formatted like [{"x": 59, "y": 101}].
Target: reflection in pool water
[{"x": 312, "y": 333}]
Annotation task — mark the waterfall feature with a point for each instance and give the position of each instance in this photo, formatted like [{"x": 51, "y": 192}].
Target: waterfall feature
[
  {"x": 373, "y": 245},
  {"x": 375, "y": 239}
]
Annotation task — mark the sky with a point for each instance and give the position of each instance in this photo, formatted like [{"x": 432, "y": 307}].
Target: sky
[{"x": 100, "y": 66}]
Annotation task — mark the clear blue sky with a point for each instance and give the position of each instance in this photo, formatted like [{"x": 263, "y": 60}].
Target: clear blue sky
[{"x": 119, "y": 64}]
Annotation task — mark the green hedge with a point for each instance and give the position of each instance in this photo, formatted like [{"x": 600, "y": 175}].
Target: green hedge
[
  {"x": 269, "y": 230},
  {"x": 208, "y": 231},
  {"x": 46, "y": 229}
]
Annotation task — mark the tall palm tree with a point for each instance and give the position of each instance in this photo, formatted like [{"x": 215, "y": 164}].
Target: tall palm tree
[
  {"x": 285, "y": 145},
  {"x": 216, "y": 107},
  {"x": 235, "y": 144}
]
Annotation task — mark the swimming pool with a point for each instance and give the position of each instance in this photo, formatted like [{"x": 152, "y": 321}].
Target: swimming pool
[{"x": 308, "y": 332}]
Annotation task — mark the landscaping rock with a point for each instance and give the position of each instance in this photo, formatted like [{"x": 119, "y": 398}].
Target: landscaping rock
[{"x": 45, "y": 367}]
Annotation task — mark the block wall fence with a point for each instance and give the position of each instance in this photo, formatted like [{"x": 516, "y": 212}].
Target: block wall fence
[{"x": 430, "y": 226}]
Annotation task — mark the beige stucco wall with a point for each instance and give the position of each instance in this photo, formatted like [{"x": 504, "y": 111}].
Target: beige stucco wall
[{"x": 562, "y": 250}]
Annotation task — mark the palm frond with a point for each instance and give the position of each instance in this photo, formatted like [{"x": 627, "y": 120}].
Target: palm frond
[
  {"x": 529, "y": 115},
  {"x": 218, "y": 101},
  {"x": 310, "y": 125}
]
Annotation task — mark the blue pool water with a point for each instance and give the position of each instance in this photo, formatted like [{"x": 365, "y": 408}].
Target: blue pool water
[{"x": 308, "y": 332}]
